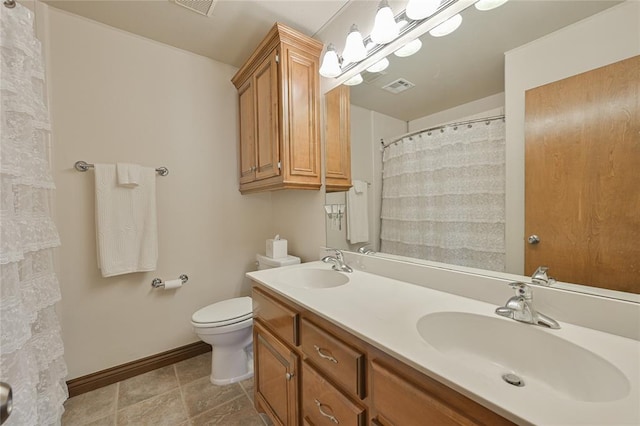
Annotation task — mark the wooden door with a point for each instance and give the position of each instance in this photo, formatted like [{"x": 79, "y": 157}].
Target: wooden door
[
  {"x": 276, "y": 377},
  {"x": 247, "y": 152},
  {"x": 338, "y": 139},
  {"x": 582, "y": 177},
  {"x": 267, "y": 118}
]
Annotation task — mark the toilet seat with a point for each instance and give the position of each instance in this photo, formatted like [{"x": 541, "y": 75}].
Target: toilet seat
[{"x": 224, "y": 313}]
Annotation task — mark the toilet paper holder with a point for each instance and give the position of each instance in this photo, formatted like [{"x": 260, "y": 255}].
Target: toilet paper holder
[{"x": 158, "y": 283}]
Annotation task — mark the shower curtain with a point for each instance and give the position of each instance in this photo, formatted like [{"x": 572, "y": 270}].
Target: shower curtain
[
  {"x": 30, "y": 343},
  {"x": 443, "y": 196}
]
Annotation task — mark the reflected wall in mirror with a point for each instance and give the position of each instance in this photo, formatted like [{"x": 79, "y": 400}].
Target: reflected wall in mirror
[{"x": 484, "y": 69}]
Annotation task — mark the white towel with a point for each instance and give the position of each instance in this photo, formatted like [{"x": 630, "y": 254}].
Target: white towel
[
  {"x": 128, "y": 174},
  {"x": 357, "y": 213},
  {"x": 126, "y": 222}
]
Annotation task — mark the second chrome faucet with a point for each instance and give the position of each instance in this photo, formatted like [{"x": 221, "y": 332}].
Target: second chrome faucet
[{"x": 521, "y": 308}]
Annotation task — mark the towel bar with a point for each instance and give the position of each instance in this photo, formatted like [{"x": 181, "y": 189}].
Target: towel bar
[
  {"x": 83, "y": 166},
  {"x": 158, "y": 283}
]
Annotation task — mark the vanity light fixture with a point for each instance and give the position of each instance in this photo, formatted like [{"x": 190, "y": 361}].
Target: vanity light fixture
[
  {"x": 447, "y": 27},
  {"x": 489, "y": 4},
  {"x": 385, "y": 28},
  {"x": 330, "y": 63},
  {"x": 409, "y": 49},
  {"x": 420, "y": 9},
  {"x": 354, "y": 50},
  {"x": 381, "y": 65},
  {"x": 353, "y": 81}
]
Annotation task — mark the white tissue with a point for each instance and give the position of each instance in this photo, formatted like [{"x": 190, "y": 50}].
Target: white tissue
[{"x": 171, "y": 284}]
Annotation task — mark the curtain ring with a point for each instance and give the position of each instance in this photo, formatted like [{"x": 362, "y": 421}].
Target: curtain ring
[{"x": 10, "y": 3}]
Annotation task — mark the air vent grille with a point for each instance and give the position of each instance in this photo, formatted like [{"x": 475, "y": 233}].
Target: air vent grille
[
  {"x": 399, "y": 85},
  {"x": 203, "y": 7}
]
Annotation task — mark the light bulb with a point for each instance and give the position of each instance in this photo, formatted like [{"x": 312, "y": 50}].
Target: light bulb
[
  {"x": 385, "y": 28},
  {"x": 381, "y": 65},
  {"x": 420, "y": 9},
  {"x": 354, "y": 50},
  {"x": 330, "y": 63},
  {"x": 409, "y": 49},
  {"x": 447, "y": 27},
  {"x": 356, "y": 79},
  {"x": 489, "y": 4}
]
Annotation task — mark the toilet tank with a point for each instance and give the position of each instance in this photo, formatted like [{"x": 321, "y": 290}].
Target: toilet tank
[{"x": 265, "y": 262}]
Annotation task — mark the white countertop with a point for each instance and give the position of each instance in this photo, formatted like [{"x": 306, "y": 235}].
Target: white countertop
[{"x": 384, "y": 313}]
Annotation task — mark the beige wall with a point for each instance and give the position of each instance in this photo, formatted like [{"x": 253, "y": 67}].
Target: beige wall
[
  {"x": 118, "y": 97},
  {"x": 605, "y": 38}
]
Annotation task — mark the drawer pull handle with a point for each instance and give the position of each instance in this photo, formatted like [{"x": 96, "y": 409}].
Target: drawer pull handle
[
  {"x": 325, "y": 414},
  {"x": 323, "y": 355},
  {"x": 289, "y": 376}
]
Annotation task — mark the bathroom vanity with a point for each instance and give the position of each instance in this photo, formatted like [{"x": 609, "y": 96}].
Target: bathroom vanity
[{"x": 355, "y": 349}]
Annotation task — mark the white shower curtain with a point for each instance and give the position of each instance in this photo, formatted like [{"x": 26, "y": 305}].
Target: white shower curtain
[
  {"x": 30, "y": 343},
  {"x": 443, "y": 196}
]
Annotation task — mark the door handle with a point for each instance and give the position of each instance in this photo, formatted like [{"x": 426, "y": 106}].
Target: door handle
[{"x": 533, "y": 239}]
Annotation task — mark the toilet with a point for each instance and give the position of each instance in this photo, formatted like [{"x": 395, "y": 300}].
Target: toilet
[{"x": 227, "y": 327}]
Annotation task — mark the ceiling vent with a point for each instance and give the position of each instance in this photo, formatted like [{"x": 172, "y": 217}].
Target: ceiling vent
[
  {"x": 399, "y": 85},
  {"x": 203, "y": 7}
]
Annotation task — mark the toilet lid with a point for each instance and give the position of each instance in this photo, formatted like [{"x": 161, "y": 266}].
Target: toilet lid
[{"x": 225, "y": 312}]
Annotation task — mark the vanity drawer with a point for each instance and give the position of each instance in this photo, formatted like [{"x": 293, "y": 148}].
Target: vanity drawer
[
  {"x": 325, "y": 405},
  {"x": 282, "y": 321},
  {"x": 339, "y": 361}
]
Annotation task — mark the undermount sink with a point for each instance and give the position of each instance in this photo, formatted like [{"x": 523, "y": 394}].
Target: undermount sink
[
  {"x": 523, "y": 355},
  {"x": 313, "y": 278}
]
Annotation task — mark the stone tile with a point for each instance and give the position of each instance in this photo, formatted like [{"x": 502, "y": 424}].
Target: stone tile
[
  {"x": 267, "y": 421},
  {"x": 90, "y": 406},
  {"x": 163, "y": 410},
  {"x": 201, "y": 395},
  {"x": 194, "y": 368},
  {"x": 238, "y": 412},
  {"x": 105, "y": 421},
  {"x": 147, "y": 385},
  {"x": 248, "y": 386}
]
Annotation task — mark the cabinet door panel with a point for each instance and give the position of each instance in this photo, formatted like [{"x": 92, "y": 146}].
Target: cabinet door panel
[
  {"x": 276, "y": 377},
  {"x": 267, "y": 118},
  {"x": 247, "y": 133},
  {"x": 338, "y": 139},
  {"x": 278, "y": 317}
]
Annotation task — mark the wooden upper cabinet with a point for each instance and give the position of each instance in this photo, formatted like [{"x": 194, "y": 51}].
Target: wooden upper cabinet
[
  {"x": 338, "y": 139},
  {"x": 279, "y": 106}
]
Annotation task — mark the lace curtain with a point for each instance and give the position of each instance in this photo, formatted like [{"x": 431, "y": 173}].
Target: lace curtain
[
  {"x": 30, "y": 343},
  {"x": 443, "y": 196}
]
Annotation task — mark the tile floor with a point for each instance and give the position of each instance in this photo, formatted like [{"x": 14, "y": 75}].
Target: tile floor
[{"x": 178, "y": 395}]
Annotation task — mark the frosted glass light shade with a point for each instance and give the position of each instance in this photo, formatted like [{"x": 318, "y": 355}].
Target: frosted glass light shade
[
  {"x": 381, "y": 65},
  {"x": 353, "y": 81},
  {"x": 447, "y": 27},
  {"x": 409, "y": 49},
  {"x": 330, "y": 63},
  {"x": 354, "y": 50},
  {"x": 420, "y": 9},
  {"x": 489, "y": 4},
  {"x": 385, "y": 28}
]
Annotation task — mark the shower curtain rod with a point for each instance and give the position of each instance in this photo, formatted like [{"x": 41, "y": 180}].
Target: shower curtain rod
[{"x": 431, "y": 129}]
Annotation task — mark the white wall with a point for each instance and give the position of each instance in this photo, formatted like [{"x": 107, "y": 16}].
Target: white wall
[
  {"x": 605, "y": 38},
  {"x": 118, "y": 97},
  {"x": 486, "y": 107}
]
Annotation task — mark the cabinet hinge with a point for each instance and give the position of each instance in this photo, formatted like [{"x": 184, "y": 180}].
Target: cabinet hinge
[
  {"x": 279, "y": 165},
  {"x": 277, "y": 59}
]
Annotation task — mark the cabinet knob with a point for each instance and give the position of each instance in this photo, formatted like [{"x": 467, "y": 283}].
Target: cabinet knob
[
  {"x": 533, "y": 239},
  {"x": 289, "y": 376}
]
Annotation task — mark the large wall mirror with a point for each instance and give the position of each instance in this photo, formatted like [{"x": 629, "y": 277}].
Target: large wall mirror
[{"x": 475, "y": 76}]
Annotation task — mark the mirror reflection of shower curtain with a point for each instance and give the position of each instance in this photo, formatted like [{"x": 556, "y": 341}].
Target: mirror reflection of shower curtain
[
  {"x": 31, "y": 350},
  {"x": 443, "y": 196}
]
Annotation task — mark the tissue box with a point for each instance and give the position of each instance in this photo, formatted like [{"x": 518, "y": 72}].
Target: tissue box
[{"x": 276, "y": 249}]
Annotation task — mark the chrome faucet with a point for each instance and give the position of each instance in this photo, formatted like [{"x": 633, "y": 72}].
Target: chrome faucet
[
  {"x": 338, "y": 262},
  {"x": 520, "y": 308},
  {"x": 540, "y": 277},
  {"x": 365, "y": 250}
]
